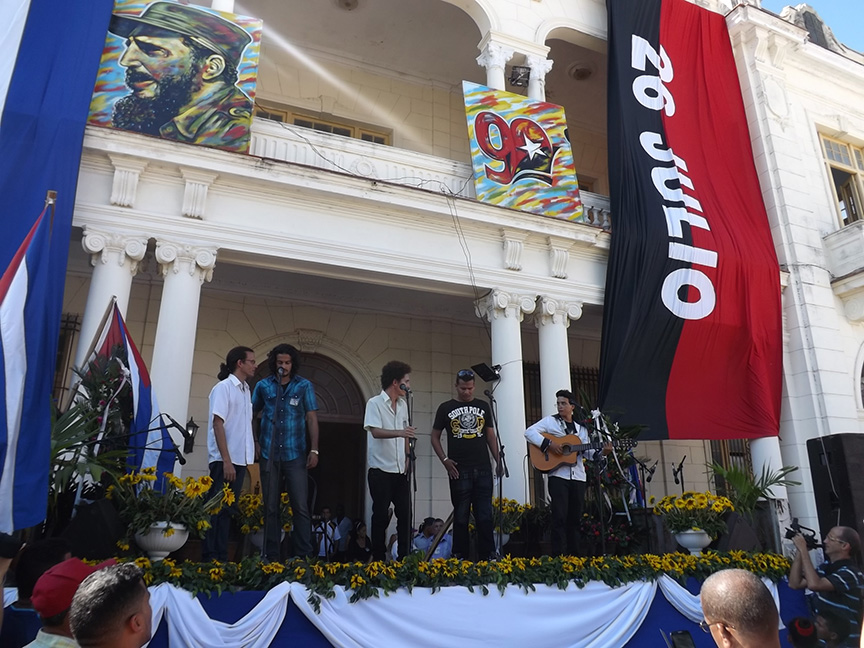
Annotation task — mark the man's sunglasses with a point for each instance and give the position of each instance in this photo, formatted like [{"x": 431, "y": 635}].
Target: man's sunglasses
[{"x": 465, "y": 374}]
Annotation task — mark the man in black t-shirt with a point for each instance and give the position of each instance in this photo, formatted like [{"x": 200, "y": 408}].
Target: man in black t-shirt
[{"x": 470, "y": 439}]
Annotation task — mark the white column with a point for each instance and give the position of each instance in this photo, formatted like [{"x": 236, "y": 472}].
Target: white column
[
  {"x": 494, "y": 58},
  {"x": 504, "y": 311},
  {"x": 185, "y": 268},
  {"x": 540, "y": 66},
  {"x": 765, "y": 455},
  {"x": 552, "y": 319},
  {"x": 115, "y": 258}
]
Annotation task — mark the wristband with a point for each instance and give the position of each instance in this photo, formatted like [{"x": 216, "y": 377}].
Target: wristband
[
  {"x": 315, "y": 452},
  {"x": 444, "y": 460}
]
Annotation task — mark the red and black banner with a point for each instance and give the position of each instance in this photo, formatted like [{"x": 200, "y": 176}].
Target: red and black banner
[{"x": 692, "y": 340}]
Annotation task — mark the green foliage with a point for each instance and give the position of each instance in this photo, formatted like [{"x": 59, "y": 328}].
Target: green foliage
[
  {"x": 745, "y": 489},
  {"x": 370, "y": 580}
]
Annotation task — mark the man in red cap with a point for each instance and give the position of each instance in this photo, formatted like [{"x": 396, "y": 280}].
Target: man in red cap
[{"x": 52, "y": 598}]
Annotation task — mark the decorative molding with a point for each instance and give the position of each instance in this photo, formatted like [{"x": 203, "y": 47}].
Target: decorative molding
[
  {"x": 103, "y": 244},
  {"x": 195, "y": 194},
  {"x": 512, "y": 242},
  {"x": 181, "y": 257},
  {"x": 500, "y": 304},
  {"x": 494, "y": 55},
  {"x": 559, "y": 256},
  {"x": 308, "y": 340},
  {"x": 552, "y": 311},
  {"x": 540, "y": 66},
  {"x": 127, "y": 171}
]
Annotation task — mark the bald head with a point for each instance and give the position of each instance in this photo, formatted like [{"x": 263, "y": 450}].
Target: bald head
[{"x": 740, "y": 609}]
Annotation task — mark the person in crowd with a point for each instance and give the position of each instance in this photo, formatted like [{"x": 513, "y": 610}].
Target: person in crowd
[
  {"x": 21, "y": 623},
  {"x": 111, "y": 609},
  {"x": 833, "y": 630},
  {"x": 344, "y": 527},
  {"x": 567, "y": 482},
  {"x": 287, "y": 407},
  {"x": 52, "y": 598},
  {"x": 801, "y": 633},
  {"x": 837, "y": 584},
  {"x": 739, "y": 610},
  {"x": 428, "y": 531},
  {"x": 470, "y": 440},
  {"x": 325, "y": 534},
  {"x": 230, "y": 445},
  {"x": 387, "y": 451},
  {"x": 359, "y": 545}
]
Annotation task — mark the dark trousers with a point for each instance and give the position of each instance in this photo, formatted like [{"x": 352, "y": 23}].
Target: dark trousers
[
  {"x": 290, "y": 475},
  {"x": 215, "y": 545},
  {"x": 473, "y": 490},
  {"x": 385, "y": 487},
  {"x": 568, "y": 503}
]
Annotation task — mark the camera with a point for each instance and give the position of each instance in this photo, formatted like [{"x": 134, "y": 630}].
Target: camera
[{"x": 808, "y": 534}]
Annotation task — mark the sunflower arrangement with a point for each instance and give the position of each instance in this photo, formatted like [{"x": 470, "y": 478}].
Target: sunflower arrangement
[
  {"x": 179, "y": 502},
  {"x": 250, "y": 513},
  {"x": 508, "y": 515},
  {"x": 693, "y": 510}
]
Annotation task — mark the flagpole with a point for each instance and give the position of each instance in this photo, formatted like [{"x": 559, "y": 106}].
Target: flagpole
[
  {"x": 73, "y": 390},
  {"x": 51, "y": 201}
]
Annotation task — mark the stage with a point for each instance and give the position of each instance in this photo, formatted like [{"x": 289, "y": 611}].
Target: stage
[{"x": 596, "y": 615}]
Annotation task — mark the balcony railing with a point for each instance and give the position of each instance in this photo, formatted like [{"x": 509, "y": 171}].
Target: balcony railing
[{"x": 289, "y": 143}]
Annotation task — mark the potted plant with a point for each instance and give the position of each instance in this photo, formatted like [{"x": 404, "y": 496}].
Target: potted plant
[
  {"x": 506, "y": 519},
  {"x": 161, "y": 520},
  {"x": 694, "y": 518},
  {"x": 250, "y": 516}
]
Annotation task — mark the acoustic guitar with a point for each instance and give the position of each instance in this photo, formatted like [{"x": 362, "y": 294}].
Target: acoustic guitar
[{"x": 572, "y": 445}]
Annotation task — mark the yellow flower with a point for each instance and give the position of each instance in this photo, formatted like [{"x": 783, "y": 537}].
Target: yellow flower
[
  {"x": 143, "y": 563},
  {"x": 203, "y": 525},
  {"x": 216, "y": 574},
  {"x": 206, "y": 481},
  {"x": 357, "y": 581},
  {"x": 272, "y": 568},
  {"x": 227, "y": 495},
  {"x": 168, "y": 532},
  {"x": 284, "y": 498},
  {"x": 122, "y": 545},
  {"x": 109, "y": 492}
]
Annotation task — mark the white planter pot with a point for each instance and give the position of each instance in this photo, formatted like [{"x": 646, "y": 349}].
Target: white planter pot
[
  {"x": 157, "y": 544},
  {"x": 504, "y": 539},
  {"x": 257, "y": 538},
  {"x": 694, "y": 540}
]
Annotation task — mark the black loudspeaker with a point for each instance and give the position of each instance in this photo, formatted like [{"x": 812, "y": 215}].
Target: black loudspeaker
[{"x": 837, "y": 468}]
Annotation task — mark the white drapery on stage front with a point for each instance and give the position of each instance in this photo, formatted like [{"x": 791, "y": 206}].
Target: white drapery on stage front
[{"x": 606, "y": 616}]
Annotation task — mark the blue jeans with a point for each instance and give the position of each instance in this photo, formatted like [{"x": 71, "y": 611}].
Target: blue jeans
[
  {"x": 292, "y": 476},
  {"x": 215, "y": 545},
  {"x": 473, "y": 490}
]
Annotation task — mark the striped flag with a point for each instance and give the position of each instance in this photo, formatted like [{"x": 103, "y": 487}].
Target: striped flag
[
  {"x": 150, "y": 443},
  {"x": 24, "y": 342},
  {"x": 51, "y": 53}
]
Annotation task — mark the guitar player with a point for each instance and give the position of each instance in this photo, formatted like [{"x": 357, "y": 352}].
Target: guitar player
[{"x": 567, "y": 482}]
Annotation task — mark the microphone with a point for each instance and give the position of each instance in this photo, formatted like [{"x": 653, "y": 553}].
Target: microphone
[
  {"x": 651, "y": 472},
  {"x": 488, "y": 394},
  {"x": 280, "y": 371},
  {"x": 405, "y": 388},
  {"x": 180, "y": 458},
  {"x": 675, "y": 474}
]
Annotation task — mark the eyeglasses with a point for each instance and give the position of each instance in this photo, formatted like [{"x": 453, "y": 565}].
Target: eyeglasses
[
  {"x": 465, "y": 374},
  {"x": 706, "y": 627},
  {"x": 833, "y": 539}
]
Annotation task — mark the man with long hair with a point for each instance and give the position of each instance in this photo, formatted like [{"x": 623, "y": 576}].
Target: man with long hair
[
  {"x": 230, "y": 446},
  {"x": 287, "y": 408}
]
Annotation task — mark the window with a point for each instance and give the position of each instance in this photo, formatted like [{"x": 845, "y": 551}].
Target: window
[
  {"x": 846, "y": 165},
  {"x": 345, "y": 129}
]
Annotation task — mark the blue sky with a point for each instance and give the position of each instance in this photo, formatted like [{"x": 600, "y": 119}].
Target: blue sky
[{"x": 844, "y": 17}]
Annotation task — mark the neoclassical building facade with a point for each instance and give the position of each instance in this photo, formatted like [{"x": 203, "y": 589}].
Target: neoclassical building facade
[{"x": 351, "y": 229}]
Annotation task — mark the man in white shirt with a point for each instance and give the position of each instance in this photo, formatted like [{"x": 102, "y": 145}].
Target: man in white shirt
[
  {"x": 387, "y": 451},
  {"x": 230, "y": 444}
]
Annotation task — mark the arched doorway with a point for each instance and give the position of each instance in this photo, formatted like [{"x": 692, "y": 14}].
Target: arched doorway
[{"x": 339, "y": 476}]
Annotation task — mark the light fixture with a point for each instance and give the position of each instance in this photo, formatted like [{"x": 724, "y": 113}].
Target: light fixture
[
  {"x": 487, "y": 373},
  {"x": 519, "y": 75},
  {"x": 191, "y": 431}
]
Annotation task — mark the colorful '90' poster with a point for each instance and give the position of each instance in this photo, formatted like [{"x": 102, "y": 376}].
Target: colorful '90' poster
[{"x": 520, "y": 152}]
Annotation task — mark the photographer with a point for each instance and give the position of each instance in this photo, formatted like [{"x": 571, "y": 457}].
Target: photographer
[{"x": 837, "y": 585}]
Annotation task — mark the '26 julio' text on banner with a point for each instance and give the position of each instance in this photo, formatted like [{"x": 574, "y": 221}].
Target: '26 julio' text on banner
[{"x": 692, "y": 340}]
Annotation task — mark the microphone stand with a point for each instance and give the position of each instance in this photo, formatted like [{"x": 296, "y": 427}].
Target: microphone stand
[
  {"x": 412, "y": 467},
  {"x": 493, "y": 407},
  {"x": 678, "y": 473},
  {"x": 643, "y": 468}
]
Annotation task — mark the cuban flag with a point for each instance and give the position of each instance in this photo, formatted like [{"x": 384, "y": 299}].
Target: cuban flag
[
  {"x": 25, "y": 337},
  {"x": 49, "y": 58},
  {"x": 150, "y": 443}
]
